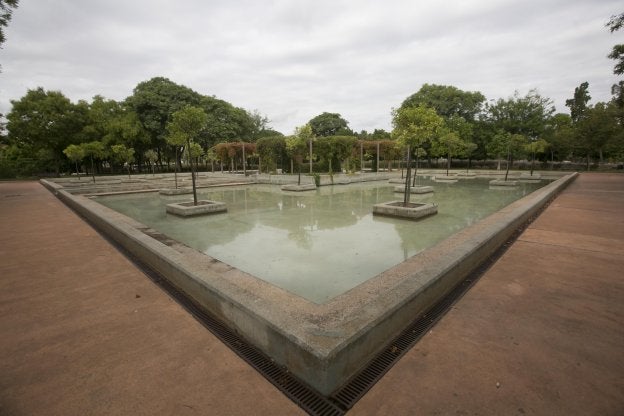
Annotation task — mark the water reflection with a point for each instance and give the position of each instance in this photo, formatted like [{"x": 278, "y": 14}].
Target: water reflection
[{"x": 317, "y": 244}]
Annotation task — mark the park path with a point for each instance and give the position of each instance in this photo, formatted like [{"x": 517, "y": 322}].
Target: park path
[{"x": 84, "y": 332}]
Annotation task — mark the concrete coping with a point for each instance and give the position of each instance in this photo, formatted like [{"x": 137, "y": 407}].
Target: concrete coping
[
  {"x": 323, "y": 344},
  {"x": 190, "y": 209},
  {"x": 413, "y": 210},
  {"x": 503, "y": 182},
  {"x": 420, "y": 189}
]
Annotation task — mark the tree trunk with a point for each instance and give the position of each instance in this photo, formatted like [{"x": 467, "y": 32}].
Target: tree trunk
[
  {"x": 192, "y": 173},
  {"x": 507, "y": 171},
  {"x": 244, "y": 160},
  {"x": 310, "y": 156},
  {"x": 175, "y": 168},
  {"x": 408, "y": 188},
  {"x": 416, "y": 170},
  {"x": 92, "y": 170}
]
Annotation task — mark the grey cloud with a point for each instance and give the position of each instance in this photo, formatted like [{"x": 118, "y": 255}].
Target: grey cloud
[{"x": 293, "y": 60}]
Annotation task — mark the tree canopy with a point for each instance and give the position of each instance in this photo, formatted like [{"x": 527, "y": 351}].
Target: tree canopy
[
  {"x": 329, "y": 124},
  {"x": 617, "y": 53},
  {"x": 447, "y": 101}
]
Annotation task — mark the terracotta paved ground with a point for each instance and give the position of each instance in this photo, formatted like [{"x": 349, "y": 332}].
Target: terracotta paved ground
[{"x": 83, "y": 332}]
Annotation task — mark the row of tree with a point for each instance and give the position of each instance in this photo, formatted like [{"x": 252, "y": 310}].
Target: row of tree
[{"x": 48, "y": 128}]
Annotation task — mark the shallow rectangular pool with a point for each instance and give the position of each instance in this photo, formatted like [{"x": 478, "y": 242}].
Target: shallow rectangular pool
[{"x": 317, "y": 244}]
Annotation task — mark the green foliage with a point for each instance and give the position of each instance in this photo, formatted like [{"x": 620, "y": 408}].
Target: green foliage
[
  {"x": 154, "y": 102},
  {"x": 329, "y": 124},
  {"x": 126, "y": 128},
  {"x": 449, "y": 144},
  {"x": 74, "y": 153},
  {"x": 538, "y": 146},
  {"x": 447, "y": 101},
  {"x": 152, "y": 157},
  {"x": 617, "y": 53},
  {"x": 272, "y": 150},
  {"x": 317, "y": 179},
  {"x": 416, "y": 126},
  {"x": 186, "y": 124},
  {"x": 578, "y": 104},
  {"x": 226, "y": 123},
  {"x": 594, "y": 132},
  {"x": 98, "y": 115},
  {"x": 333, "y": 150},
  {"x": 122, "y": 154},
  {"x": 6, "y": 12},
  {"x": 45, "y": 121},
  {"x": 94, "y": 149},
  {"x": 528, "y": 115}
]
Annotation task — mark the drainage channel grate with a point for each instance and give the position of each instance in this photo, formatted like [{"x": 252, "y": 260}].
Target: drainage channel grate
[
  {"x": 299, "y": 392},
  {"x": 314, "y": 403}
]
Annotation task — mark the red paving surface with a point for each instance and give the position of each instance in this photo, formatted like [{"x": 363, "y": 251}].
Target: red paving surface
[{"x": 83, "y": 332}]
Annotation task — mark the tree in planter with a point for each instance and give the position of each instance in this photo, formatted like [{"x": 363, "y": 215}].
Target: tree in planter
[
  {"x": 414, "y": 126},
  {"x": 270, "y": 150},
  {"x": 534, "y": 147},
  {"x": 418, "y": 152},
  {"x": 75, "y": 153},
  {"x": 306, "y": 134},
  {"x": 515, "y": 144},
  {"x": 196, "y": 153},
  {"x": 296, "y": 148},
  {"x": 151, "y": 156},
  {"x": 186, "y": 124},
  {"x": 448, "y": 144},
  {"x": 332, "y": 148},
  {"x": 93, "y": 150},
  {"x": 177, "y": 141},
  {"x": 124, "y": 155},
  {"x": 211, "y": 157}
]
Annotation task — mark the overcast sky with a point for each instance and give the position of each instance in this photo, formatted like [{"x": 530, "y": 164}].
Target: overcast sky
[{"x": 292, "y": 60}]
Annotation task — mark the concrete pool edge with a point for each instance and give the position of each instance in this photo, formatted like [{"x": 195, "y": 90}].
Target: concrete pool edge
[{"x": 322, "y": 344}]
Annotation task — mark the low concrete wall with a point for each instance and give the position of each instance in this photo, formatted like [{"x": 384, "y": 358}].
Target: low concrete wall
[{"x": 324, "y": 345}]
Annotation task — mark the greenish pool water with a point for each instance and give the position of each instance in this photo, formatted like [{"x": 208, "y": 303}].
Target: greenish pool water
[{"x": 317, "y": 244}]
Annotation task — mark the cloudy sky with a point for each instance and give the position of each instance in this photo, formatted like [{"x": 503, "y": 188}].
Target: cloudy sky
[{"x": 294, "y": 59}]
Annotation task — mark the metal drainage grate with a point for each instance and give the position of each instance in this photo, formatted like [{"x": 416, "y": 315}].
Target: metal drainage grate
[{"x": 299, "y": 392}]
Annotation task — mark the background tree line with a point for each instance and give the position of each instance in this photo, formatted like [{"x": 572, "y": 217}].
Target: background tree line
[{"x": 45, "y": 133}]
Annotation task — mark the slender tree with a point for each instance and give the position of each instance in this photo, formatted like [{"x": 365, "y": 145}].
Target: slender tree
[
  {"x": 74, "y": 153},
  {"x": 93, "y": 150},
  {"x": 186, "y": 124},
  {"x": 578, "y": 104},
  {"x": 123, "y": 155},
  {"x": 412, "y": 127}
]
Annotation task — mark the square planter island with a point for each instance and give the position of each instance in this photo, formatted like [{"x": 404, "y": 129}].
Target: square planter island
[
  {"x": 203, "y": 207},
  {"x": 413, "y": 210}
]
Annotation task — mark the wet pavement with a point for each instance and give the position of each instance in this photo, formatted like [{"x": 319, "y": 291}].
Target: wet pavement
[{"x": 84, "y": 332}]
